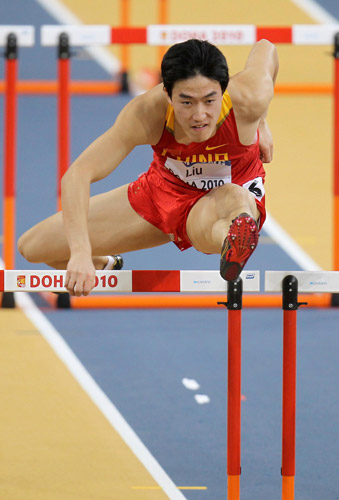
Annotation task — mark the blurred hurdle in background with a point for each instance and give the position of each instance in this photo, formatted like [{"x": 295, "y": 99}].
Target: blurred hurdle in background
[
  {"x": 10, "y": 38},
  {"x": 290, "y": 283},
  {"x": 65, "y": 37}
]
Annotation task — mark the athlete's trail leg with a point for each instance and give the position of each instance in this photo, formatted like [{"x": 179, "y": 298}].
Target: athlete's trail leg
[{"x": 114, "y": 228}]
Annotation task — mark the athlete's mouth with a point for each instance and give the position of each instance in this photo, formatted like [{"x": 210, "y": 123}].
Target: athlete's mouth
[{"x": 199, "y": 127}]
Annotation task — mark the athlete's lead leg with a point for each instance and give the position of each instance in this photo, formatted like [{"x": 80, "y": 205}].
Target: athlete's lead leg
[{"x": 225, "y": 220}]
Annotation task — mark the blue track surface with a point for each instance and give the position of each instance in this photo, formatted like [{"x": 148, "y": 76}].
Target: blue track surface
[{"x": 140, "y": 357}]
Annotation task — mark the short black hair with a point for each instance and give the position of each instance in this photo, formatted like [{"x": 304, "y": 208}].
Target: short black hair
[{"x": 193, "y": 57}]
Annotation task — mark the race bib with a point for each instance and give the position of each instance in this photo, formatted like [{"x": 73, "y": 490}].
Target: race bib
[
  {"x": 256, "y": 187},
  {"x": 202, "y": 175}
]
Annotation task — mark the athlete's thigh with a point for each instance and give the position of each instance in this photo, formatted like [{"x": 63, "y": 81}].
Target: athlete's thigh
[
  {"x": 114, "y": 227},
  {"x": 218, "y": 204}
]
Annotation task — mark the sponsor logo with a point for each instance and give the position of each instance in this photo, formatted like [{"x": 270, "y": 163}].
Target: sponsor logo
[
  {"x": 318, "y": 283},
  {"x": 202, "y": 282},
  {"x": 250, "y": 276},
  {"x": 57, "y": 281},
  {"x": 21, "y": 281},
  {"x": 209, "y": 148},
  {"x": 214, "y": 34},
  {"x": 46, "y": 281}
]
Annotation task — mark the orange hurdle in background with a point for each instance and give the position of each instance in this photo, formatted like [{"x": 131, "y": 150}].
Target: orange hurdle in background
[{"x": 10, "y": 133}]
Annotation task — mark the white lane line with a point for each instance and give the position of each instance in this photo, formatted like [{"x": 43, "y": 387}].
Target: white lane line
[
  {"x": 99, "y": 398},
  {"x": 63, "y": 15},
  {"x": 316, "y": 11},
  {"x": 291, "y": 247}
]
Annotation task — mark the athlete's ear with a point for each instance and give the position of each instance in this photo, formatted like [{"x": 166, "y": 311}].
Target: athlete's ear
[{"x": 168, "y": 97}]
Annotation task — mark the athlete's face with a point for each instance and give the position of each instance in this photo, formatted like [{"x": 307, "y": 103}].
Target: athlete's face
[{"x": 197, "y": 104}]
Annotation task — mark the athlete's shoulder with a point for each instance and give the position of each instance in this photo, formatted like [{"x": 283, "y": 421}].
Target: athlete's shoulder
[
  {"x": 150, "y": 109},
  {"x": 153, "y": 100}
]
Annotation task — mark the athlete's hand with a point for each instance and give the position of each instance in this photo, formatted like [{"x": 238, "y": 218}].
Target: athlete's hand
[
  {"x": 265, "y": 142},
  {"x": 80, "y": 276}
]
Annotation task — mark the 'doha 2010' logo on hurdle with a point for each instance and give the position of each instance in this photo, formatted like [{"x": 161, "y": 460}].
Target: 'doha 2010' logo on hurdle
[
  {"x": 21, "y": 281},
  {"x": 57, "y": 281}
]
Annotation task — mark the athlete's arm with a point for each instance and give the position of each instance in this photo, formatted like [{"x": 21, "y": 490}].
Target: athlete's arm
[
  {"x": 265, "y": 141},
  {"x": 252, "y": 89},
  {"x": 140, "y": 122}
]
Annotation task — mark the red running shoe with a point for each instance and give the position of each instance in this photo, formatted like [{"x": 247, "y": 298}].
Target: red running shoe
[{"x": 239, "y": 244}]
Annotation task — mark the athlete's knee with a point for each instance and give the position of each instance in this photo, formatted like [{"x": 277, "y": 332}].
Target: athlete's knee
[
  {"x": 231, "y": 197},
  {"x": 27, "y": 247},
  {"x": 234, "y": 191}
]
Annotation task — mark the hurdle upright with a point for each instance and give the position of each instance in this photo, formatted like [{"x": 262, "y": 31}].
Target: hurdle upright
[
  {"x": 290, "y": 283},
  {"x": 11, "y": 38}
]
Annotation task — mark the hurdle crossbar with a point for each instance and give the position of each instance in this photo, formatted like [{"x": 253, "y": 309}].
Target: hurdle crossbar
[
  {"x": 308, "y": 281},
  {"x": 127, "y": 281},
  {"x": 25, "y": 34},
  {"x": 165, "y": 35}
]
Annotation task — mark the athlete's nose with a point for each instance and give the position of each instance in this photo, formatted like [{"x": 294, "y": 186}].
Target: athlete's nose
[{"x": 199, "y": 113}]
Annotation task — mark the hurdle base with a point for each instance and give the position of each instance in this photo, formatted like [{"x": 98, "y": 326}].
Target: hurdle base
[
  {"x": 287, "y": 488},
  {"x": 124, "y": 82},
  {"x": 335, "y": 300},
  {"x": 8, "y": 301},
  {"x": 63, "y": 301},
  {"x": 233, "y": 487}
]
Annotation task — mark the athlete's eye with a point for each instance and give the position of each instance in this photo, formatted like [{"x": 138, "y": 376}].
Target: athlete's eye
[
  {"x": 186, "y": 103},
  {"x": 209, "y": 101}
]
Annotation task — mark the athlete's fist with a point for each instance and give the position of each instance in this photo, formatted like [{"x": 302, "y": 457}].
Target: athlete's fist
[{"x": 80, "y": 276}]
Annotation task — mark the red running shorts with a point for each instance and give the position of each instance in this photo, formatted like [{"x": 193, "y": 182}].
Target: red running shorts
[{"x": 166, "y": 201}]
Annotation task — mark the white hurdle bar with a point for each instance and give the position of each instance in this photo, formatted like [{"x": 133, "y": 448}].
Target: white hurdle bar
[
  {"x": 127, "y": 281},
  {"x": 25, "y": 34},
  {"x": 202, "y": 281},
  {"x": 165, "y": 35},
  {"x": 308, "y": 281}
]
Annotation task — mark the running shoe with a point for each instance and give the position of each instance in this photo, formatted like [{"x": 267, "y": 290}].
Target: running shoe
[
  {"x": 114, "y": 263},
  {"x": 239, "y": 244}
]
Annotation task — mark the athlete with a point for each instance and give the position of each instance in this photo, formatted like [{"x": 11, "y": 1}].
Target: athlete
[{"x": 205, "y": 186}]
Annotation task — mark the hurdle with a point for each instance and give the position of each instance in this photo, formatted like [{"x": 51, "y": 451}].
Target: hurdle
[
  {"x": 125, "y": 16},
  {"x": 11, "y": 38},
  {"x": 126, "y": 281},
  {"x": 290, "y": 283}
]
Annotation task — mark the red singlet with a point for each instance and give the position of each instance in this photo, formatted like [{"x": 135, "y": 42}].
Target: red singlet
[{"x": 180, "y": 175}]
